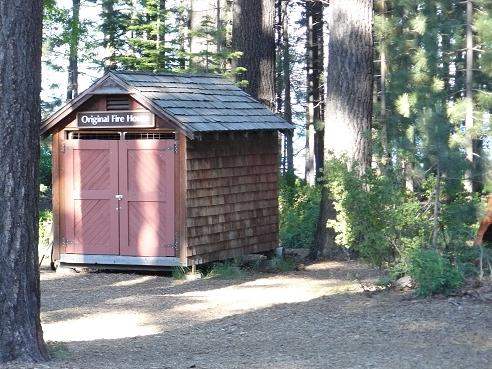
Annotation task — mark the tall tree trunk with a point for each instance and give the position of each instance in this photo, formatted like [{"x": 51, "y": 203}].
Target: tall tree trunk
[
  {"x": 289, "y": 147},
  {"x": 315, "y": 103},
  {"x": 349, "y": 84},
  {"x": 253, "y": 34},
  {"x": 384, "y": 113},
  {"x": 73, "y": 63},
  {"x": 473, "y": 180},
  {"x": 279, "y": 78},
  {"x": 318, "y": 86},
  {"x": 349, "y": 98},
  {"x": 311, "y": 56},
  {"x": 21, "y": 336},
  {"x": 469, "y": 95}
]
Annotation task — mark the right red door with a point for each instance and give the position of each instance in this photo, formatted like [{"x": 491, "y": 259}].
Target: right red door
[{"x": 147, "y": 198}]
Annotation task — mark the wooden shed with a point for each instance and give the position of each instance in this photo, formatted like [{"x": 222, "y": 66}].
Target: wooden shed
[{"x": 163, "y": 170}]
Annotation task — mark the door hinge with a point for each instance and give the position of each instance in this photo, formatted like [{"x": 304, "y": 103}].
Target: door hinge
[
  {"x": 62, "y": 148},
  {"x": 173, "y": 245},
  {"x": 173, "y": 148}
]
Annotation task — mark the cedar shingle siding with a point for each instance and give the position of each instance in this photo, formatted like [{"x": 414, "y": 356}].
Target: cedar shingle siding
[{"x": 232, "y": 196}]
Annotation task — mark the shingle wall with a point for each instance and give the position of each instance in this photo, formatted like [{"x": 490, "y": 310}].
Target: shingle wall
[{"x": 232, "y": 205}]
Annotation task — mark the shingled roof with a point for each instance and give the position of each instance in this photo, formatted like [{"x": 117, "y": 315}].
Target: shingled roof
[{"x": 196, "y": 103}]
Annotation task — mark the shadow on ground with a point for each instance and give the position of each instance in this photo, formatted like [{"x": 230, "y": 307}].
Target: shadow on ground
[{"x": 317, "y": 318}]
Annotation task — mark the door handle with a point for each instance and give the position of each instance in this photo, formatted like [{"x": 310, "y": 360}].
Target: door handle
[{"x": 118, "y": 197}]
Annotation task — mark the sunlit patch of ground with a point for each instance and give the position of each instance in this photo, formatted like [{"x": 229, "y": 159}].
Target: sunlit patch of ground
[
  {"x": 111, "y": 325},
  {"x": 259, "y": 294},
  {"x": 134, "y": 282}
]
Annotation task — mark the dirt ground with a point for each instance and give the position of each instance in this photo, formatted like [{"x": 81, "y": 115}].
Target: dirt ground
[{"x": 316, "y": 318}]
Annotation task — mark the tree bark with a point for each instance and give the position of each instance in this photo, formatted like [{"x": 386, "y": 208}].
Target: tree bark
[
  {"x": 314, "y": 45},
  {"x": 21, "y": 336},
  {"x": 289, "y": 146},
  {"x": 73, "y": 64},
  {"x": 324, "y": 242},
  {"x": 254, "y": 35},
  {"x": 473, "y": 181},
  {"x": 469, "y": 95},
  {"x": 384, "y": 116},
  {"x": 350, "y": 81},
  {"x": 310, "y": 159},
  {"x": 349, "y": 99}
]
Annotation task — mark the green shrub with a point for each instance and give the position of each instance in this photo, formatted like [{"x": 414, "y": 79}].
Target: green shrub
[
  {"x": 433, "y": 273},
  {"x": 45, "y": 164},
  {"x": 283, "y": 264},
  {"x": 180, "y": 272},
  {"x": 299, "y": 210},
  {"x": 225, "y": 270},
  {"x": 391, "y": 228},
  {"x": 375, "y": 216},
  {"x": 45, "y": 224}
]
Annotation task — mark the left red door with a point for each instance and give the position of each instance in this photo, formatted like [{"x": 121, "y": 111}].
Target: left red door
[{"x": 91, "y": 208}]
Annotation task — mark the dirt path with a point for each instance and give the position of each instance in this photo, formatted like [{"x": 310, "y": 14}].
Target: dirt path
[{"x": 317, "y": 318}]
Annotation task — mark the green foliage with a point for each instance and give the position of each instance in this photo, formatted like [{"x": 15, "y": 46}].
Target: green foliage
[
  {"x": 45, "y": 224},
  {"x": 58, "y": 350},
  {"x": 392, "y": 228},
  {"x": 45, "y": 164},
  {"x": 225, "y": 270},
  {"x": 283, "y": 264},
  {"x": 180, "y": 272},
  {"x": 375, "y": 217},
  {"x": 299, "y": 210},
  {"x": 433, "y": 273}
]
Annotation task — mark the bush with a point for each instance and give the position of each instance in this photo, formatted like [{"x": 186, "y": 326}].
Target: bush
[
  {"x": 299, "y": 210},
  {"x": 433, "y": 273},
  {"x": 391, "y": 228},
  {"x": 225, "y": 270},
  {"x": 283, "y": 264},
  {"x": 45, "y": 164},
  {"x": 375, "y": 217},
  {"x": 45, "y": 224}
]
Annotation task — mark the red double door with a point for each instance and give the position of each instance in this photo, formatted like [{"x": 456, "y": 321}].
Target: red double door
[{"x": 119, "y": 197}]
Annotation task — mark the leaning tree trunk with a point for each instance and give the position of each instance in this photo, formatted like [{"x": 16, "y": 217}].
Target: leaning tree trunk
[
  {"x": 349, "y": 98},
  {"x": 21, "y": 336},
  {"x": 253, "y": 34}
]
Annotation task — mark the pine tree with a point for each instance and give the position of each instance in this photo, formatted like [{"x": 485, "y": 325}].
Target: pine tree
[
  {"x": 283, "y": 79},
  {"x": 21, "y": 335},
  {"x": 254, "y": 36},
  {"x": 315, "y": 105},
  {"x": 148, "y": 48},
  {"x": 348, "y": 116},
  {"x": 115, "y": 15},
  {"x": 210, "y": 38}
]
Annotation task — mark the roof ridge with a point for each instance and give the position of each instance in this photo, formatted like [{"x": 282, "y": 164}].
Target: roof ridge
[{"x": 175, "y": 74}]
